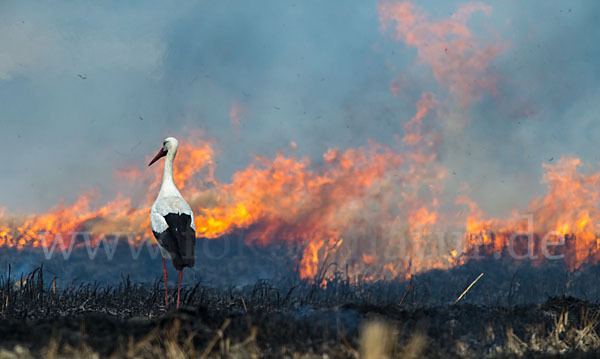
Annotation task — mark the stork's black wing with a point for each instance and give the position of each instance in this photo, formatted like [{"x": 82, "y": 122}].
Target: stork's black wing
[{"x": 178, "y": 239}]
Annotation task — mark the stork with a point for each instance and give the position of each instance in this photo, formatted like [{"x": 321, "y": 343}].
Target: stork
[{"x": 172, "y": 219}]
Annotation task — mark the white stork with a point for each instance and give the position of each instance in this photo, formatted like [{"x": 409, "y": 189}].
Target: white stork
[{"x": 172, "y": 219}]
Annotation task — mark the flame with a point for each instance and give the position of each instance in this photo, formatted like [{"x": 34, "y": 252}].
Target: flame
[
  {"x": 117, "y": 216},
  {"x": 356, "y": 199},
  {"x": 458, "y": 60},
  {"x": 373, "y": 209},
  {"x": 568, "y": 209},
  {"x": 377, "y": 210}
]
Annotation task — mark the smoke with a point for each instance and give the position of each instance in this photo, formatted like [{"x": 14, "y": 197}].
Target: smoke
[
  {"x": 457, "y": 59},
  {"x": 464, "y": 98}
]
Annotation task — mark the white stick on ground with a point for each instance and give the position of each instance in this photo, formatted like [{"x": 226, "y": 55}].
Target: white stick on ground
[{"x": 469, "y": 287}]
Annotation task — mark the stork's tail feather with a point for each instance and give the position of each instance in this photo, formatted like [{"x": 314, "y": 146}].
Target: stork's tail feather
[{"x": 181, "y": 262}]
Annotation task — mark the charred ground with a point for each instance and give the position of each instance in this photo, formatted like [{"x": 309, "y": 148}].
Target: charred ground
[{"x": 297, "y": 319}]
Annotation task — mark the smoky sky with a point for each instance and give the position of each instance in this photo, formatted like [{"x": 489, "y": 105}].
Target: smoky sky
[{"x": 87, "y": 87}]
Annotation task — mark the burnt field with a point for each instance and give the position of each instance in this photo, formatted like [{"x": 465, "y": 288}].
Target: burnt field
[{"x": 510, "y": 312}]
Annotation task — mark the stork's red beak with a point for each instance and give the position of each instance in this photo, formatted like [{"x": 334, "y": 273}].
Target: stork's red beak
[{"x": 160, "y": 154}]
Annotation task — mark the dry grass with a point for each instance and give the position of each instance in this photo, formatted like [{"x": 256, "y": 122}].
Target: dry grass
[
  {"x": 347, "y": 320},
  {"x": 378, "y": 340},
  {"x": 564, "y": 337}
]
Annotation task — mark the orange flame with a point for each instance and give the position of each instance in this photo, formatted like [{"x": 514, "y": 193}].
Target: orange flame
[
  {"x": 374, "y": 210},
  {"x": 568, "y": 209},
  {"x": 371, "y": 209},
  {"x": 357, "y": 199},
  {"x": 458, "y": 60}
]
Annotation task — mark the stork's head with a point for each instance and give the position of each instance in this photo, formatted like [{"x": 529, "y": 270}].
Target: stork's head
[{"x": 169, "y": 145}]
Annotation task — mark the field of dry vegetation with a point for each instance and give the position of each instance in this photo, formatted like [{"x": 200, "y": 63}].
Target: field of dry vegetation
[{"x": 348, "y": 319}]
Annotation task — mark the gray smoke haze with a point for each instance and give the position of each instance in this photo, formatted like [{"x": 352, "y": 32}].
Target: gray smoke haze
[{"x": 89, "y": 87}]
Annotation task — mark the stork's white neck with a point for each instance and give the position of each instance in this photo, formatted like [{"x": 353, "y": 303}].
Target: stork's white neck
[{"x": 168, "y": 188}]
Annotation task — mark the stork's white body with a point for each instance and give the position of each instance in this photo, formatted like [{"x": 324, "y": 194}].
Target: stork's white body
[{"x": 169, "y": 200}]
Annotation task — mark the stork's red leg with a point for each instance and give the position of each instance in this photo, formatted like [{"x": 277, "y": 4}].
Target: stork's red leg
[
  {"x": 179, "y": 287},
  {"x": 166, "y": 290}
]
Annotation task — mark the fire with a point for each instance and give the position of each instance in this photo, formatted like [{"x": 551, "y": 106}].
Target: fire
[
  {"x": 569, "y": 209},
  {"x": 458, "y": 59},
  {"x": 374, "y": 209},
  {"x": 381, "y": 211},
  {"x": 117, "y": 216},
  {"x": 358, "y": 199}
]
